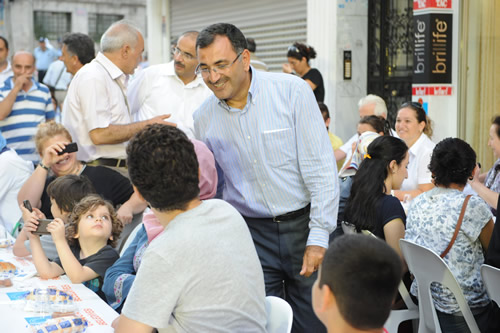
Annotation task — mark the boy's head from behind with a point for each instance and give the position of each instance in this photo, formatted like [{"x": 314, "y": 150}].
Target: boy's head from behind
[
  {"x": 93, "y": 218},
  {"x": 325, "y": 113},
  {"x": 357, "y": 282},
  {"x": 162, "y": 165},
  {"x": 65, "y": 192}
]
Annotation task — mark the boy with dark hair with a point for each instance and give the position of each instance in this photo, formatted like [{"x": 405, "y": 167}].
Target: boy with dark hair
[
  {"x": 189, "y": 280},
  {"x": 64, "y": 192},
  {"x": 357, "y": 283}
]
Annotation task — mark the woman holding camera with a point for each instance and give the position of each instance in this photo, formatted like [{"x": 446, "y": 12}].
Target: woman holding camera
[{"x": 51, "y": 140}]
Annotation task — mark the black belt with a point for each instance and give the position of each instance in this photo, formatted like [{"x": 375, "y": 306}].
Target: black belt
[
  {"x": 112, "y": 162},
  {"x": 292, "y": 215}
]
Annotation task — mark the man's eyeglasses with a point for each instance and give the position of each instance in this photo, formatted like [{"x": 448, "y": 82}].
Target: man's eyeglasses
[
  {"x": 185, "y": 55},
  {"x": 205, "y": 71}
]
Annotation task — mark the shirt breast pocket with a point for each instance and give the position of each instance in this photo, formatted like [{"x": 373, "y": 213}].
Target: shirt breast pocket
[{"x": 279, "y": 146}]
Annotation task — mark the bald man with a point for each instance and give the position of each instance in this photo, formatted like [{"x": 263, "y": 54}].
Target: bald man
[
  {"x": 24, "y": 103},
  {"x": 96, "y": 110},
  {"x": 175, "y": 82}
]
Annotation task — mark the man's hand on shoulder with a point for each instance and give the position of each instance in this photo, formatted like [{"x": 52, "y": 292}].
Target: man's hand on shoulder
[
  {"x": 313, "y": 257},
  {"x": 160, "y": 120}
]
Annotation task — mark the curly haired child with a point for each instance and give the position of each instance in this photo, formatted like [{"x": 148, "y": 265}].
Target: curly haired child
[{"x": 85, "y": 247}]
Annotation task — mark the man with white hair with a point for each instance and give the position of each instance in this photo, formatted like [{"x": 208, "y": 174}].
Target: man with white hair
[
  {"x": 370, "y": 105},
  {"x": 96, "y": 111}
]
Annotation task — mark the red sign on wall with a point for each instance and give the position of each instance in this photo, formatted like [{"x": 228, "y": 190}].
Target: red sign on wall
[
  {"x": 432, "y": 91},
  {"x": 424, "y": 4}
]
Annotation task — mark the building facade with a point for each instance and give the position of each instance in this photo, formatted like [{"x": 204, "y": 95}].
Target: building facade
[{"x": 24, "y": 21}]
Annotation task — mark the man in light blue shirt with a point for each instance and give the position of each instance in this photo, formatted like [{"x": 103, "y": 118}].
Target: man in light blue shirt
[
  {"x": 44, "y": 57},
  {"x": 275, "y": 158}
]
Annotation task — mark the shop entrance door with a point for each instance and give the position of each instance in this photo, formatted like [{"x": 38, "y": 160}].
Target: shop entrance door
[{"x": 390, "y": 52}]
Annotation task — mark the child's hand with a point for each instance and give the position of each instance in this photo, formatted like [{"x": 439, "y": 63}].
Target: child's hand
[
  {"x": 57, "y": 229},
  {"x": 31, "y": 219}
]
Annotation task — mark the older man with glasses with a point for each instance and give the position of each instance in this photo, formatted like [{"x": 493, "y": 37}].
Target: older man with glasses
[
  {"x": 276, "y": 162},
  {"x": 171, "y": 88}
]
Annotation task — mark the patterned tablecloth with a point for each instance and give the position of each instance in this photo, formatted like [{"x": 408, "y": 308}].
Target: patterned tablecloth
[{"x": 14, "y": 318}]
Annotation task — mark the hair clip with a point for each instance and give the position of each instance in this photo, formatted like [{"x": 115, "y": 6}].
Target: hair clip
[{"x": 367, "y": 156}]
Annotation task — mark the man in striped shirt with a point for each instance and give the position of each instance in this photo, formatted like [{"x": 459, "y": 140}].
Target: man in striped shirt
[
  {"x": 24, "y": 103},
  {"x": 276, "y": 161}
]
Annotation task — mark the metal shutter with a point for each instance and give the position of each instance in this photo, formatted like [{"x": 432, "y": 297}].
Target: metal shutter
[{"x": 274, "y": 25}]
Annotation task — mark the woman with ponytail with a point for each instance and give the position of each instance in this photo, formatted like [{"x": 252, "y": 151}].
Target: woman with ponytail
[
  {"x": 298, "y": 60},
  {"x": 370, "y": 205}
]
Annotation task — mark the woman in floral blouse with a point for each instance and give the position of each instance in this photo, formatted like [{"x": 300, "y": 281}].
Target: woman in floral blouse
[{"x": 432, "y": 218}]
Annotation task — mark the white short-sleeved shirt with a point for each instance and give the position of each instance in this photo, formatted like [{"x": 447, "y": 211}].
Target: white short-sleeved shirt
[
  {"x": 157, "y": 90},
  {"x": 418, "y": 165},
  {"x": 96, "y": 100},
  {"x": 15, "y": 171},
  {"x": 432, "y": 218}
]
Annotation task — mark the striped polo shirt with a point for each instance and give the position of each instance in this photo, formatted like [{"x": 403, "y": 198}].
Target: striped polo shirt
[{"x": 30, "y": 109}]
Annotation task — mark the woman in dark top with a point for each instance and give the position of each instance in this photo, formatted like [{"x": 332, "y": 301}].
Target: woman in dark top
[
  {"x": 52, "y": 138},
  {"x": 298, "y": 61},
  {"x": 370, "y": 205}
]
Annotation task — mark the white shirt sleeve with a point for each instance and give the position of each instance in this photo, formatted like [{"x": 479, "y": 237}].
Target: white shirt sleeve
[
  {"x": 347, "y": 147},
  {"x": 424, "y": 175}
]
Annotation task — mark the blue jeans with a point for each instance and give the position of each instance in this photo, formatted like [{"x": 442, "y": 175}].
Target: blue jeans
[{"x": 457, "y": 324}]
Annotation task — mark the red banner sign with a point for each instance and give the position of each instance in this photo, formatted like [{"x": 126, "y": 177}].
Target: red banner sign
[
  {"x": 432, "y": 91},
  {"x": 424, "y": 4}
]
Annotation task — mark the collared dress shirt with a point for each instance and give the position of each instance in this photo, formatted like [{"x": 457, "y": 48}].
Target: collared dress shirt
[
  {"x": 157, "y": 90},
  {"x": 96, "y": 100},
  {"x": 418, "y": 165},
  {"x": 275, "y": 155},
  {"x": 45, "y": 58}
]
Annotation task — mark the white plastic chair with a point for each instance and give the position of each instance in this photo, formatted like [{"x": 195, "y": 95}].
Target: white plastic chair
[
  {"x": 428, "y": 267},
  {"x": 279, "y": 315},
  {"x": 491, "y": 279},
  {"x": 396, "y": 317}
]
